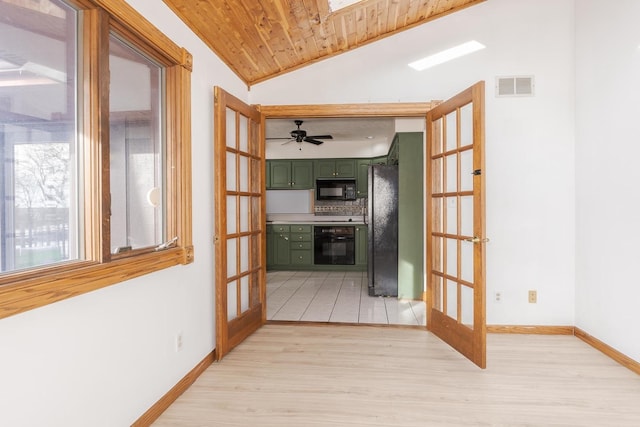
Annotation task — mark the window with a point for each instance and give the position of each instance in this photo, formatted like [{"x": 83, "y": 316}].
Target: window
[
  {"x": 94, "y": 149},
  {"x": 136, "y": 148},
  {"x": 39, "y": 149}
]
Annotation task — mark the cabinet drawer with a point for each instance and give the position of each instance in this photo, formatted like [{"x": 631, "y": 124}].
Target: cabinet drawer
[
  {"x": 301, "y": 257},
  {"x": 300, "y": 237},
  {"x": 301, "y": 229},
  {"x": 277, "y": 228},
  {"x": 300, "y": 245}
]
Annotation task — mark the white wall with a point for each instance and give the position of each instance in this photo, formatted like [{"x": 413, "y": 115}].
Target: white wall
[
  {"x": 607, "y": 155},
  {"x": 103, "y": 358},
  {"x": 529, "y": 141}
]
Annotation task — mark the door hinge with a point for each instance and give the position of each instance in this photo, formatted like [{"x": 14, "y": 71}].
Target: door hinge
[{"x": 477, "y": 172}]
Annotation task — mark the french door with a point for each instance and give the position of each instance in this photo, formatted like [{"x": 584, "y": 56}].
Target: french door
[
  {"x": 456, "y": 223},
  {"x": 240, "y": 271}
]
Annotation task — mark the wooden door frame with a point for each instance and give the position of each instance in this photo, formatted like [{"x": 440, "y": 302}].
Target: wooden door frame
[{"x": 406, "y": 109}]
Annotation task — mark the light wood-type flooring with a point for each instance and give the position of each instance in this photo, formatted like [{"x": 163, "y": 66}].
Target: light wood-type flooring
[
  {"x": 331, "y": 296},
  {"x": 340, "y": 375}
]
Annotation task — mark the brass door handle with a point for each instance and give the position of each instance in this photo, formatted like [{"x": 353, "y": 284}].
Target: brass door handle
[{"x": 476, "y": 239}]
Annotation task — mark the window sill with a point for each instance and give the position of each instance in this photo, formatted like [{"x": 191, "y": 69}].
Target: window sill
[{"x": 37, "y": 289}]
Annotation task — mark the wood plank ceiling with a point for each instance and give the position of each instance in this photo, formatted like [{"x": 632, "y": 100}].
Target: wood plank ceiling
[{"x": 261, "y": 39}]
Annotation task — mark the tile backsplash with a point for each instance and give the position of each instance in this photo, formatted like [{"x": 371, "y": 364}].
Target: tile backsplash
[{"x": 340, "y": 207}]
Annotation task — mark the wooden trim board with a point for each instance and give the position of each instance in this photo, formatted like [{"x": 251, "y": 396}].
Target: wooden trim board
[
  {"x": 530, "y": 329},
  {"x": 619, "y": 357},
  {"x": 172, "y": 395}
]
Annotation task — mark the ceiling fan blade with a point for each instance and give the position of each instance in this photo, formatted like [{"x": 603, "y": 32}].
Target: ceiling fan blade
[
  {"x": 286, "y": 137},
  {"x": 313, "y": 141},
  {"x": 286, "y": 142},
  {"x": 320, "y": 136}
]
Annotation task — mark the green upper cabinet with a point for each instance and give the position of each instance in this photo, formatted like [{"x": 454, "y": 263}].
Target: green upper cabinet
[
  {"x": 302, "y": 174},
  {"x": 335, "y": 168},
  {"x": 280, "y": 173},
  {"x": 382, "y": 160},
  {"x": 363, "y": 176},
  {"x": 394, "y": 156},
  {"x": 297, "y": 174},
  {"x": 267, "y": 173}
]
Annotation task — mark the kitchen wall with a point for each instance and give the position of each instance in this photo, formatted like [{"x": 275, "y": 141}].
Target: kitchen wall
[
  {"x": 103, "y": 358},
  {"x": 530, "y": 140},
  {"x": 607, "y": 153}
]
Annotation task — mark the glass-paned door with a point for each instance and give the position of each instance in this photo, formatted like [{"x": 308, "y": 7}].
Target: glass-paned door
[
  {"x": 455, "y": 223},
  {"x": 240, "y": 221}
]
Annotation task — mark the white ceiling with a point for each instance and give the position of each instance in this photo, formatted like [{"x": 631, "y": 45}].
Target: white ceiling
[{"x": 352, "y": 137}]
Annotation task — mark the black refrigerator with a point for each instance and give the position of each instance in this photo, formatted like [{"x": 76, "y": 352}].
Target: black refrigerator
[{"x": 382, "y": 216}]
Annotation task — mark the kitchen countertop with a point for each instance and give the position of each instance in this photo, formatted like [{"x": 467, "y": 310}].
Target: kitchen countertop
[{"x": 314, "y": 219}]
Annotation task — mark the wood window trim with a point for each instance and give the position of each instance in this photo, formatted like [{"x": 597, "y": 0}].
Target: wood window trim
[{"x": 33, "y": 288}]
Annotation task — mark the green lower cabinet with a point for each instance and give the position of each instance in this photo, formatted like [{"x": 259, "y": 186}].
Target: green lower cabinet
[
  {"x": 361, "y": 245},
  {"x": 280, "y": 245},
  {"x": 290, "y": 247},
  {"x": 270, "y": 250},
  {"x": 281, "y": 250},
  {"x": 301, "y": 258}
]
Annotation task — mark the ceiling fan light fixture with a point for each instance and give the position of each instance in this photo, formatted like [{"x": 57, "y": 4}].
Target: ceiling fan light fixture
[{"x": 447, "y": 55}]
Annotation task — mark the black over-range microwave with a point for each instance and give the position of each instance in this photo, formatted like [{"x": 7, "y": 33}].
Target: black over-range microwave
[{"x": 335, "y": 189}]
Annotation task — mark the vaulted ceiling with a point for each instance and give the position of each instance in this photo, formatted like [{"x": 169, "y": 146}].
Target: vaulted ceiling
[{"x": 261, "y": 39}]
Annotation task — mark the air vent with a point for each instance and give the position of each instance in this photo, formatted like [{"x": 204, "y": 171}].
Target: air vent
[{"x": 514, "y": 86}]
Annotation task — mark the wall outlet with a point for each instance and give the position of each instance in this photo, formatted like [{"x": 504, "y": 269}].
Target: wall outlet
[
  {"x": 498, "y": 296},
  {"x": 533, "y": 297},
  {"x": 178, "y": 342}
]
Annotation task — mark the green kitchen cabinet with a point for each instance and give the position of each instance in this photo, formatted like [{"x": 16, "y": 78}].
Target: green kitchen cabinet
[
  {"x": 267, "y": 173},
  {"x": 301, "y": 245},
  {"x": 335, "y": 168},
  {"x": 361, "y": 245},
  {"x": 410, "y": 155},
  {"x": 393, "y": 158},
  {"x": 290, "y": 174},
  {"x": 382, "y": 160},
  {"x": 270, "y": 248},
  {"x": 281, "y": 247},
  {"x": 363, "y": 177}
]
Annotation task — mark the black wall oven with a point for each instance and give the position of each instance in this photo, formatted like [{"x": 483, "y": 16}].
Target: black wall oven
[{"x": 334, "y": 245}]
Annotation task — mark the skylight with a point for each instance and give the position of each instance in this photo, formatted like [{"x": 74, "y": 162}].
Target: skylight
[
  {"x": 335, "y": 5},
  {"x": 447, "y": 55}
]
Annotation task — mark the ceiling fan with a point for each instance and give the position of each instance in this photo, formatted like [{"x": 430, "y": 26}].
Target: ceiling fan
[{"x": 300, "y": 135}]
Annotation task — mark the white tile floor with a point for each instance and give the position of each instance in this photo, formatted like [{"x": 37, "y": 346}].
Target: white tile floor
[{"x": 332, "y": 296}]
